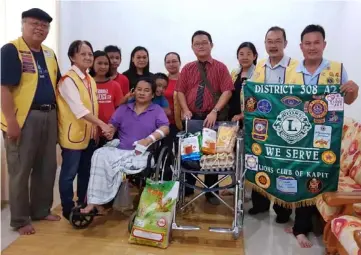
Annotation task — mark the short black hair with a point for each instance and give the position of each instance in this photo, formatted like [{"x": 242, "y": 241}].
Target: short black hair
[
  {"x": 313, "y": 28},
  {"x": 75, "y": 48},
  {"x": 98, "y": 54},
  {"x": 112, "y": 48},
  {"x": 160, "y": 76},
  {"x": 170, "y": 53},
  {"x": 251, "y": 47},
  {"x": 132, "y": 67},
  {"x": 201, "y": 32},
  {"x": 148, "y": 80},
  {"x": 276, "y": 28}
]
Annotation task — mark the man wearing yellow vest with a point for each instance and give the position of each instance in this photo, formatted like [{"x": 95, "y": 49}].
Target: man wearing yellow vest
[
  {"x": 29, "y": 74},
  {"x": 315, "y": 70},
  {"x": 272, "y": 70}
]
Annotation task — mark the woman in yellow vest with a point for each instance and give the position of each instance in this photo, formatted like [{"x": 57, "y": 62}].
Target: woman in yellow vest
[{"x": 77, "y": 124}]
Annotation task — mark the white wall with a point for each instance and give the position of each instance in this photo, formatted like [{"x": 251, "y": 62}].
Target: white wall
[
  {"x": 10, "y": 19},
  {"x": 163, "y": 26},
  {"x": 10, "y": 29}
]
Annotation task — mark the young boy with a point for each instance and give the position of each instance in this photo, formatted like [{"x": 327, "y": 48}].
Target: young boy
[
  {"x": 115, "y": 57},
  {"x": 162, "y": 83}
]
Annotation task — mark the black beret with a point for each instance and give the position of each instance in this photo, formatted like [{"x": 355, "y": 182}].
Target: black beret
[{"x": 37, "y": 14}]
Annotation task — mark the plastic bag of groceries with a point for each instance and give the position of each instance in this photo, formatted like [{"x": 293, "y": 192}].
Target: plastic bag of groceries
[
  {"x": 226, "y": 138},
  {"x": 123, "y": 200},
  {"x": 153, "y": 222},
  {"x": 191, "y": 147},
  {"x": 209, "y": 140}
]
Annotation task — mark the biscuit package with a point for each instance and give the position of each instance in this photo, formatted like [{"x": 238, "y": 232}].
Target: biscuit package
[
  {"x": 191, "y": 147},
  {"x": 209, "y": 140},
  {"x": 226, "y": 138}
]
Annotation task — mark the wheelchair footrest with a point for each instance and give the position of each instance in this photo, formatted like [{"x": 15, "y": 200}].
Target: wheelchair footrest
[
  {"x": 188, "y": 228},
  {"x": 221, "y": 230}
]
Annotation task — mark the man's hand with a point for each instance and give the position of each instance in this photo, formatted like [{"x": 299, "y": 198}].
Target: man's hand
[
  {"x": 13, "y": 132},
  {"x": 187, "y": 115},
  {"x": 210, "y": 120},
  {"x": 110, "y": 134},
  {"x": 107, "y": 131},
  {"x": 144, "y": 142},
  {"x": 238, "y": 117},
  {"x": 350, "y": 89}
]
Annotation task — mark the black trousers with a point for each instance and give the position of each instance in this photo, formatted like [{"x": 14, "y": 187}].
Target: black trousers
[
  {"x": 303, "y": 220},
  {"x": 262, "y": 203}
]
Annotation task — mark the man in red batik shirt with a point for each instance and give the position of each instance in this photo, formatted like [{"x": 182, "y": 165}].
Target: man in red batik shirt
[{"x": 195, "y": 97}]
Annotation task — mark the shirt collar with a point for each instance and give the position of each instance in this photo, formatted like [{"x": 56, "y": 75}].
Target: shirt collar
[
  {"x": 209, "y": 60},
  {"x": 249, "y": 72},
  {"x": 151, "y": 107},
  {"x": 284, "y": 62},
  {"x": 302, "y": 69},
  {"x": 78, "y": 72}
]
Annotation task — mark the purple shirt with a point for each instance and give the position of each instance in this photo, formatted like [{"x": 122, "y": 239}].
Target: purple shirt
[{"x": 132, "y": 127}]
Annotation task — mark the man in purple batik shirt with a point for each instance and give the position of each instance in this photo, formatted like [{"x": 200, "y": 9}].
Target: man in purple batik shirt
[{"x": 132, "y": 127}]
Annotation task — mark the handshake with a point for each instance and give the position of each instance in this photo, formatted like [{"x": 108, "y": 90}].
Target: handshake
[{"x": 108, "y": 131}]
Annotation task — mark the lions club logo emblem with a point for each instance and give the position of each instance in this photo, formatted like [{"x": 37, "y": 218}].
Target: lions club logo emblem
[{"x": 292, "y": 125}]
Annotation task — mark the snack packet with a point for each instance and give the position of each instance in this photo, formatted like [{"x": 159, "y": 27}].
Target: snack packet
[
  {"x": 191, "y": 147},
  {"x": 153, "y": 222},
  {"x": 226, "y": 138},
  {"x": 209, "y": 140}
]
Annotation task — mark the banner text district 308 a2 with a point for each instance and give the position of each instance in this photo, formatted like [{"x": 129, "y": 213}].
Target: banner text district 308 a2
[{"x": 292, "y": 140}]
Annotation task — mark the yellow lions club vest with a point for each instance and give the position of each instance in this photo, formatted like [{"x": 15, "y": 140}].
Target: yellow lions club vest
[
  {"x": 23, "y": 94},
  {"x": 329, "y": 76},
  {"x": 75, "y": 133},
  {"x": 259, "y": 74}
]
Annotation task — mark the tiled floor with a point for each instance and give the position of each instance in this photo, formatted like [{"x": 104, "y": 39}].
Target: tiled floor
[{"x": 261, "y": 235}]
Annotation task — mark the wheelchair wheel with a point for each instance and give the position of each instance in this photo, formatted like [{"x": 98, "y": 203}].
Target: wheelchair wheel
[
  {"x": 78, "y": 220},
  {"x": 131, "y": 221},
  {"x": 161, "y": 163},
  {"x": 163, "y": 170}
]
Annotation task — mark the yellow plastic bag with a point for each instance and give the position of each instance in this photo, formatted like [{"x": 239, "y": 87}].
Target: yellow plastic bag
[{"x": 226, "y": 138}]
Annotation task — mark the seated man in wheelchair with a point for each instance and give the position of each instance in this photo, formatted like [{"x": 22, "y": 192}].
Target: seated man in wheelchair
[{"x": 139, "y": 125}]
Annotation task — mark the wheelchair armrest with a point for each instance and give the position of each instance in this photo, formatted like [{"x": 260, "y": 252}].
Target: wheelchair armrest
[{"x": 181, "y": 134}]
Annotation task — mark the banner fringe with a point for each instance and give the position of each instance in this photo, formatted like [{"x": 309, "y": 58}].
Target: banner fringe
[{"x": 289, "y": 205}]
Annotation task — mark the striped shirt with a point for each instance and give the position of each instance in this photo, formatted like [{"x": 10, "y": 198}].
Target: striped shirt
[{"x": 190, "y": 78}]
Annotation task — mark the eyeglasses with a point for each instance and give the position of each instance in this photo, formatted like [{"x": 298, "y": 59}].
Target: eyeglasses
[
  {"x": 39, "y": 24},
  {"x": 278, "y": 42},
  {"x": 197, "y": 45}
]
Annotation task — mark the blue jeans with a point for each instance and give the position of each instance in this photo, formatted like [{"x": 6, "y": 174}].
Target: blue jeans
[{"x": 75, "y": 162}]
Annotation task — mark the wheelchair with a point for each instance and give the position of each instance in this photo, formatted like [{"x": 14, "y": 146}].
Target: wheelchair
[
  {"x": 162, "y": 157},
  {"x": 236, "y": 170}
]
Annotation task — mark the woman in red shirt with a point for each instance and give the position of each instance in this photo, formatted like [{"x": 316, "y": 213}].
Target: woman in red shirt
[
  {"x": 110, "y": 95},
  {"x": 172, "y": 63}
]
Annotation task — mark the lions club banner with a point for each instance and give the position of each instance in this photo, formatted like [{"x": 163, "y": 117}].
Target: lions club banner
[{"x": 292, "y": 140}]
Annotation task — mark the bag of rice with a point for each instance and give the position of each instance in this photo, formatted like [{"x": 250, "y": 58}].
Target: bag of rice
[
  {"x": 153, "y": 222},
  {"x": 191, "y": 147},
  {"x": 226, "y": 138},
  {"x": 209, "y": 139}
]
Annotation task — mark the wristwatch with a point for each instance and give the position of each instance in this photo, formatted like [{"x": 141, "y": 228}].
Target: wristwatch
[{"x": 215, "y": 110}]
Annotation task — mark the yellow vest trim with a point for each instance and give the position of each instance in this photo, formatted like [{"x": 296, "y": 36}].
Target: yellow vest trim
[
  {"x": 259, "y": 74},
  {"x": 75, "y": 133},
  {"x": 23, "y": 94},
  {"x": 329, "y": 76}
]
